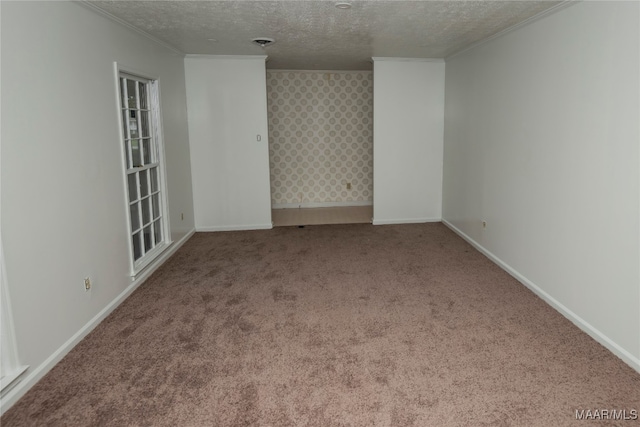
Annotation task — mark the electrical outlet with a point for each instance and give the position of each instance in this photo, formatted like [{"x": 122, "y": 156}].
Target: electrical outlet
[
  {"x": 87, "y": 284},
  {"x": 348, "y": 186}
]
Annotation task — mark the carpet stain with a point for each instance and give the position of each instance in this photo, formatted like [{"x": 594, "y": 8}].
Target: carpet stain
[
  {"x": 403, "y": 417},
  {"x": 272, "y": 275},
  {"x": 226, "y": 283},
  {"x": 55, "y": 403},
  {"x": 246, "y": 326},
  {"x": 376, "y": 329},
  {"x": 126, "y": 332},
  {"x": 351, "y": 381},
  {"x": 208, "y": 297},
  {"x": 382, "y": 379},
  {"x": 213, "y": 272},
  {"x": 235, "y": 300},
  {"x": 280, "y": 295},
  {"x": 247, "y": 406}
]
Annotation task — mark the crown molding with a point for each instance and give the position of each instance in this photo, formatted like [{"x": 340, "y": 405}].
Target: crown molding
[
  {"x": 117, "y": 20},
  {"x": 563, "y": 5}
]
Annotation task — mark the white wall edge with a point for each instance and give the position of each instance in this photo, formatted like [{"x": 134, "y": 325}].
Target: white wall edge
[
  {"x": 594, "y": 333},
  {"x": 19, "y": 390},
  {"x": 203, "y": 56},
  {"x": 517, "y": 26},
  {"x": 405, "y": 221},
  {"x": 390, "y": 58},
  {"x": 321, "y": 204},
  {"x": 114, "y": 18},
  {"x": 235, "y": 227}
]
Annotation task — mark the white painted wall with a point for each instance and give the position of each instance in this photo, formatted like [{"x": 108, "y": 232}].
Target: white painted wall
[
  {"x": 227, "y": 101},
  {"x": 63, "y": 195},
  {"x": 541, "y": 141},
  {"x": 408, "y": 121}
]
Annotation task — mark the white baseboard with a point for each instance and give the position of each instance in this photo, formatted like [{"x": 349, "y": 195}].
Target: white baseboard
[
  {"x": 236, "y": 227},
  {"x": 404, "y": 221},
  {"x": 585, "y": 326},
  {"x": 40, "y": 371},
  {"x": 321, "y": 204}
]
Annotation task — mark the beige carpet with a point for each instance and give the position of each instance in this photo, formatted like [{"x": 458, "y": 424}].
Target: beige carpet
[{"x": 352, "y": 325}]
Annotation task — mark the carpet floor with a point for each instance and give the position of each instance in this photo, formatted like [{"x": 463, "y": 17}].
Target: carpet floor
[{"x": 338, "y": 325}]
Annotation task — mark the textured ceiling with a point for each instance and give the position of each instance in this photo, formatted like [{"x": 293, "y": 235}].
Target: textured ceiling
[{"x": 315, "y": 35}]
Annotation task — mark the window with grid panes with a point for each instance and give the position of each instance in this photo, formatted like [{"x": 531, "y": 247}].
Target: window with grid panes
[{"x": 144, "y": 168}]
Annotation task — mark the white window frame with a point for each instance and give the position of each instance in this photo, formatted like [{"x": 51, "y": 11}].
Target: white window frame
[{"x": 156, "y": 133}]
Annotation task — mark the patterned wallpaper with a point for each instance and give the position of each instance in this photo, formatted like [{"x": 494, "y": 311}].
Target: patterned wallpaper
[{"x": 320, "y": 137}]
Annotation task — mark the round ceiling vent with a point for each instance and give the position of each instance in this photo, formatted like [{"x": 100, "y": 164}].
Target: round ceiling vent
[{"x": 263, "y": 41}]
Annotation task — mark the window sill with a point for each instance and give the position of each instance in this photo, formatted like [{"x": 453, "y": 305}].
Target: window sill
[
  {"x": 149, "y": 259},
  {"x": 8, "y": 381}
]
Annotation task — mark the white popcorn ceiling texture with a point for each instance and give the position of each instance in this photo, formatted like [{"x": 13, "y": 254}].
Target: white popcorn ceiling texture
[
  {"x": 320, "y": 136},
  {"x": 315, "y": 35}
]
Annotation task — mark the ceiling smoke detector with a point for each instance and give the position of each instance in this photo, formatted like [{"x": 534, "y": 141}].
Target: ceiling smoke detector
[{"x": 263, "y": 41}]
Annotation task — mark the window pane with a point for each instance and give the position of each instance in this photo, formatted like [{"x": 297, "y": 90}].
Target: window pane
[
  {"x": 144, "y": 184},
  {"x": 135, "y": 153},
  {"x": 146, "y": 145},
  {"x": 131, "y": 89},
  {"x": 125, "y": 123},
  {"x": 133, "y": 188},
  {"x": 123, "y": 96},
  {"x": 133, "y": 123},
  {"x": 155, "y": 202},
  {"x": 154, "y": 179},
  {"x": 143, "y": 95},
  {"x": 135, "y": 217},
  {"x": 148, "y": 242},
  {"x": 144, "y": 115},
  {"x": 146, "y": 212},
  {"x": 158, "y": 231},
  {"x": 127, "y": 155},
  {"x": 137, "y": 246}
]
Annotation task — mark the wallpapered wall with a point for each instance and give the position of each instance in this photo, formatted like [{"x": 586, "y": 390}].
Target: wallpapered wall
[{"x": 320, "y": 137}]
